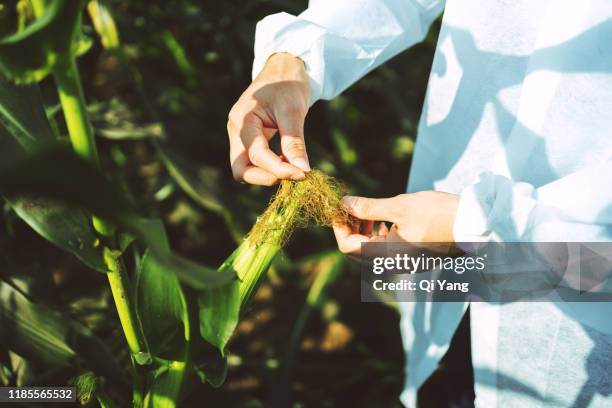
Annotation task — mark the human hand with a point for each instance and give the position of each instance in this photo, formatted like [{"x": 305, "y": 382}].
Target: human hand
[
  {"x": 426, "y": 216},
  {"x": 277, "y": 100}
]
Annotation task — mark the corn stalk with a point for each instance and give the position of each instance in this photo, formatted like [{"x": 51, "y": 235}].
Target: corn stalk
[{"x": 72, "y": 100}]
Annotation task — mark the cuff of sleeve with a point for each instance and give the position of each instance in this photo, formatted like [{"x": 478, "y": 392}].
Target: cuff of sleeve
[
  {"x": 494, "y": 209},
  {"x": 283, "y": 32}
]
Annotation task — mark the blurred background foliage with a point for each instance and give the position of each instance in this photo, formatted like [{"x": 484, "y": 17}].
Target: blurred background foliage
[{"x": 160, "y": 120}]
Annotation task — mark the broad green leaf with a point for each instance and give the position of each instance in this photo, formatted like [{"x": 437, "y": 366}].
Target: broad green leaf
[
  {"x": 58, "y": 174},
  {"x": 41, "y": 334},
  {"x": 166, "y": 388},
  {"x": 68, "y": 228},
  {"x": 209, "y": 364},
  {"x": 24, "y": 126},
  {"x": 219, "y": 314},
  {"x": 162, "y": 309},
  {"x": 33, "y": 53}
]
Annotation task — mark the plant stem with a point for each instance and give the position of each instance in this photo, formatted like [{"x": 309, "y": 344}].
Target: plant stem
[
  {"x": 118, "y": 280},
  {"x": 38, "y": 6},
  {"x": 82, "y": 139},
  {"x": 75, "y": 113}
]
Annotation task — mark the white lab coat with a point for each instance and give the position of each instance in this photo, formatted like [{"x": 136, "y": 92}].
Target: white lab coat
[{"x": 518, "y": 121}]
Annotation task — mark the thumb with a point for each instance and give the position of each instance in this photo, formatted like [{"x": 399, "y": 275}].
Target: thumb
[
  {"x": 373, "y": 209},
  {"x": 293, "y": 146}
]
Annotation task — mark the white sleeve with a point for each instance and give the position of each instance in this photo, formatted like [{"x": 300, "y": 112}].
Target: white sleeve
[
  {"x": 342, "y": 40},
  {"x": 574, "y": 208}
]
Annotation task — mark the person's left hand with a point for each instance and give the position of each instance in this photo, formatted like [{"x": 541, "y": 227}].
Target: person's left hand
[{"x": 426, "y": 216}]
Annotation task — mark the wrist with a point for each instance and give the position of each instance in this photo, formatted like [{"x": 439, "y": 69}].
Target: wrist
[{"x": 282, "y": 66}]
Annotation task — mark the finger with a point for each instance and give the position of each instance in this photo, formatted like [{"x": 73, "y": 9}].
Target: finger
[
  {"x": 378, "y": 239},
  {"x": 261, "y": 156},
  {"x": 293, "y": 146},
  {"x": 366, "y": 228},
  {"x": 375, "y": 209},
  {"x": 255, "y": 175},
  {"x": 269, "y": 132},
  {"x": 348, "y": 242},
  {"x": 383, "y": 230},
  {"x": 244, "y": 171}
]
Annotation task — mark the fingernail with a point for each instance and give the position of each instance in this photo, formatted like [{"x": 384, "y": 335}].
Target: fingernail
[
  {"x": 298, "y": 176},
  {"x": 302, "y": 164}
]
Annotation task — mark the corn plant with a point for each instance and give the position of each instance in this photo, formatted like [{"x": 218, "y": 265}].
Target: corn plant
[{"x": 177, "y": 316}]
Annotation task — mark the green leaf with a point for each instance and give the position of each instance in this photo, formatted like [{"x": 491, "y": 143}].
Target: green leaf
[
  {"x": 24, "y": 125},
  {"x": 31, "y": 54},
  {"x": 329, "y": 265},
  {"x": 38, "y": 333},
  {"x": 180, "y": 57},
  {"x": 22, "y": 117},
  {"x": 167, "y": 385},
  {"x": 219, "y": 314},
  {"x": 58, "y": 174},
  {"x": 162, "y": 309},
  {"x": 104, "y": 24},
  {"x": 208, "y": 363},
  {"x": 69, "y": 229}
]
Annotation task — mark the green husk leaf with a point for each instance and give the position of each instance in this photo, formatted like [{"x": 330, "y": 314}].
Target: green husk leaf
[{"x": 33, "y": 53}]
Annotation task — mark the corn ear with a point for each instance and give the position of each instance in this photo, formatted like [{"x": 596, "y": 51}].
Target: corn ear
[{"x": 317, "y": 198}]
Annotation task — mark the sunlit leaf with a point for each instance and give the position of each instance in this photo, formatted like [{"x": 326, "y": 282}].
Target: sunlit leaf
[
  {"x": 104, "y": 24},
  {"x": 31, "y": 54},
  {"x": 167, "y": 384}
]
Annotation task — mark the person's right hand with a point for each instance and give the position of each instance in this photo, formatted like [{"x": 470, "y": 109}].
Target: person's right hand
[{"x": 277, "y": 100}]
